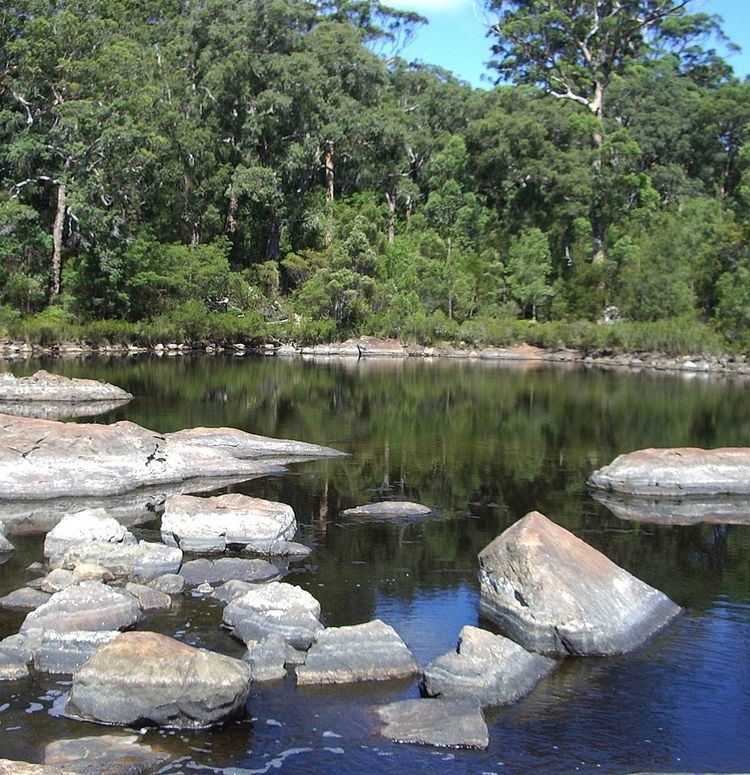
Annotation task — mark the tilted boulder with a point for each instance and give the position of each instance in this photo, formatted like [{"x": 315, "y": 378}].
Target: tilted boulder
[
  {"x": 144, "y": 677},
  {"x": 489, "y": 668},
  {"x": 555, "y": 594}
]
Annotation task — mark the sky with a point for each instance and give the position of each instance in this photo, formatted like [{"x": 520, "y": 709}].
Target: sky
[{"x": 455, "y": 36}]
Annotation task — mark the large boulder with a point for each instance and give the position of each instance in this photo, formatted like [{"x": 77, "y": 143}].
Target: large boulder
[
  {"x": 104, "y": 755},
  {"x": 89, "y": 605},
  {"x": 144, "y": 677},
  {"x": 222, "y": 522},
  {"x": 442, "y": 723},
  {"x": 389, "y": 510},
  {"x": 143, "y": 560},
  {"x": 44, "y": 386},
  {"x": 46, "y": 459},
  {"x": 202, "y": 571},
  {"x": 362, "y": 652},
  {"x": 488, "y": 668},
  {"x": 86, "y": 525},
  {"x": 275, "y": 608},
  {"x": 676, "y": 472},
  {"x": 555, "y": 594}
]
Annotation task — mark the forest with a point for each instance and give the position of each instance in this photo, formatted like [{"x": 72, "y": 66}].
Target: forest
[{"x": 246, "y": 170}]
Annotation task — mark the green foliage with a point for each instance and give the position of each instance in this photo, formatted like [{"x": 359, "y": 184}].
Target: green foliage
[{"x": 528, "y": 270}]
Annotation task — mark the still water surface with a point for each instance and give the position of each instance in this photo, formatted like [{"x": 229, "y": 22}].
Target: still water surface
[{"x": 482, "y": 444}]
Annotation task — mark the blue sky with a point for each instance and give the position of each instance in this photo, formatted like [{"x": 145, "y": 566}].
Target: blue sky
[{"x": 455, "y": 36}]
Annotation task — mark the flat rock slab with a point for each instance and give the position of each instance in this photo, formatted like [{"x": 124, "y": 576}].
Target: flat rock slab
[
  {"x": 149, "y": 599},
  {"x": 89, "y": 605},
  {"x": 44, "y": 386},
  {"x": 24, "y": 599},
  {"x": 144, "y": 677},
  {"x": 556, "y": 595},
  {"x": 86, "y": 525},
  {"x": 275, "y": 608},
  {"x": 142, "y": 561},
  {"x": 169, "y": 583},
  {"x": 62, "y": 653},
  {"x": 442, "y": 723},
  {"x": 362, "y": 652},
  {"x": 488, "y": 668},
  {"x": 389, "y": 510},
  {"x": 675, "y": 472},
  {"x": 107, "y": 754},
  {"x": 204, "y": 571}
]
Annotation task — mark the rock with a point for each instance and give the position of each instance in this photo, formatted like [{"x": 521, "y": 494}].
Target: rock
[
  {"x": 371, "y": 346},
  {"x": 232, "y": 589},
  {"x": 57, "y": 580},
  {"x": 222, "y": 522},
  {"x": 149, "y": 599},
  {"x": 12, "y": 668},
  {"x": 59, "y": 410},
  {"x": 22, "y": 647},
  {"x": 87, "y": 525},
  {"x": 227, "y": 569},
  {"x": 144, "y": 677},
  {"x": 488, "y": 668},
  {"x": 54, "y": 459},
  {"x": 141, "y": 561},
  {"x": 442, "y": 723},
  {"x": 65, "y": 652},
  {"x": 204, "y": 589},
  {"x": 555, "y": 594},
  {"x": 266, "y": 659},
  {"x": 291, "y": 549},
  {"x": 677, "y": 472},
  {"x": 87, "y": 571},
  {"x": 24, "y": 599},
  {"x": 13, "y": 767},
  {"x": 44, "y": 386},
  {"x": 362, "y": 652},
  {"x": 89, "y": 605},
  {"x": 389, "y": 509},
  {"x": 104, "y": 754},
  {"x": 6, "y": 547},
  {"x": 169, "y": 583},
  {"x": 275, "y": 608}
]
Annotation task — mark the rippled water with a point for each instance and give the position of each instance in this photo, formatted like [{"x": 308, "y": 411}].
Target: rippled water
[{"x": 482, "y": 444}]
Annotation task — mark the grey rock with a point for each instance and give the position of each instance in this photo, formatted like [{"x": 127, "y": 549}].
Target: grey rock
[
  {"x": 89, "y": 605},
  {"x": 215, "y": 524},
  {"x": 6, "y": 547},
  {"x": 362, "y": 652},
  {"x": 24, "y": 599},
  {"x": 12, "y": 668},
  {"x": 144, "y": 677},
  {"x": 555, "y": 594},
  {"x": 677, "y": 472},
  {"x": 488, "y": 668},
  {"x": 169, "y": 583},
  {"x": 149, "y": 599},
  {"x": 274, "y": 608},
  {"x": 232, "y": 589},
  {"x": 44, "y": 386},
  {"x": 87, "y": 571},
  {"x": 227, "y": 569},
  {"x": 104, "y": 755},
  {"x": 389, "y": 510},
  {"x": 59, "y": 410},
  {"x": 62, "y": 653},
  {"x": 57, "y": 580},
  {"x": 21, "y": 647},
  {"x": 142, "y": 561},
  {"x": 15, "y": 767},
  {"x": 442, "y": 723},
  {"x": 266, "y": 659},
  {"x": 86, "y": 525}
]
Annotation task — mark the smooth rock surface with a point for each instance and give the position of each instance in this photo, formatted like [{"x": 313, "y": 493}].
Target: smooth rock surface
[
  {"x": 442, "y": 723},
  {"x": 275, "y": 608},
  {"x": 389, "y": 509},
  {"x": 362, "y": 652},
  {"x": 149, "y": 599},
  {"x": 556, "y": 595},
  {"x": 57, "y": 580},
  {"x": 142, "y": 561},
  {"x": 64, "y": 652},
  {"x": 86, "y": 525},
  {"x": 15, "y": 767},
  {"x": 44, "y": 386},
  {"x": 267, "y": 658},
  {"x": 232, "y": 589},
  {"x": 488, "y": 668},
  {"x": 676, "y": 472},
  {"x": 6, "y": 547},
  {"x": 11, "y": 667},
  {"x": 169, "y": 583},
  {"x": 24, "y": 599},
  {"x": 104, "y": 755},
  {"x": 144, "y": 677},
  {"x": 89, "y": 605},
  {"x": 232, "y": 521},
  {"x": 203, "y": 571}
]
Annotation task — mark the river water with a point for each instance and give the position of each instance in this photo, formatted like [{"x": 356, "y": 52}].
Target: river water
[{"x": 482, "y": 444}]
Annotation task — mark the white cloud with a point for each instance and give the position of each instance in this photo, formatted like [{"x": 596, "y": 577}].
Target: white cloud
[{"x": 430, "y": 6}]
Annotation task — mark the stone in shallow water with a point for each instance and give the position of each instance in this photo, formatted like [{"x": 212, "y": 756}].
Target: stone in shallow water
[
  {"x": 226, "y": 569},
  {"x": 108, "y": 754},
  {"x": 142, "y": 561},
  {"x": 14, "y": 767},
  {"x": 442, "y": 723},
  {"x": 169, "y": 583},
  {"x": 45, "y": 386},
  {"x": 11, "y": 667},
  {"x": 488, "y": 668},
  {"x": 275, "y": 608},
  {"x": 86, "y": 525},
  {"x": 64, "y": 652},
  {"x": 6, "y": 547},
  {"x": 389, "y": 509},
  {"x": 24, "y": 599},
  {"x": 555, "y": 594},
  {"x": 144, "y": 677},
  {"x": 266, "y": 659},
  {"x": 218, "y": 523},
  {"x": 89, "y": 605},
  {"x": 57, "y": 580},
  {"x": 148, "y": 598},
  {"x": 361, "y": 652}
]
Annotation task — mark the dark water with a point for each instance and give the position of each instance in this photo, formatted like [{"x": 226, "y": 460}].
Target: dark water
[{"x": 483, "y": 444}]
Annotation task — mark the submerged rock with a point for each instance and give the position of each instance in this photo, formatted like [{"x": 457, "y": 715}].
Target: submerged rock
[
  {"x": 363, "y": 652},
  {"x": 222, "y": 522},
  {"x": 442, "y": 723},
  {"x": 555, "y": 594},
  {"x": 107, "y": 754},
  {"x": 275, "y": 608},
  {"x": 144, "y": 677},
  {"x": 44, "y": 386},
  {"x": 86, "y": 525},
  {"x": 677, "y": 472},
  {"x": 143, "y": 561},
  {"x": 488, "y": 668},
  {"x": 389, "y": 509},
  {"x": 203, "y": 571}
]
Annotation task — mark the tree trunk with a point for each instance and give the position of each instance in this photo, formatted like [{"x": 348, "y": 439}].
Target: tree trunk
[
  {"x": 598, "y": 227},
  {"x": 232, "y": 212},
  {"x": 391, "y": 200},
  {"x": 329, "y": 172},
  {"x": 57, "y": 240},
  {"x": 273, "y": 240}
]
